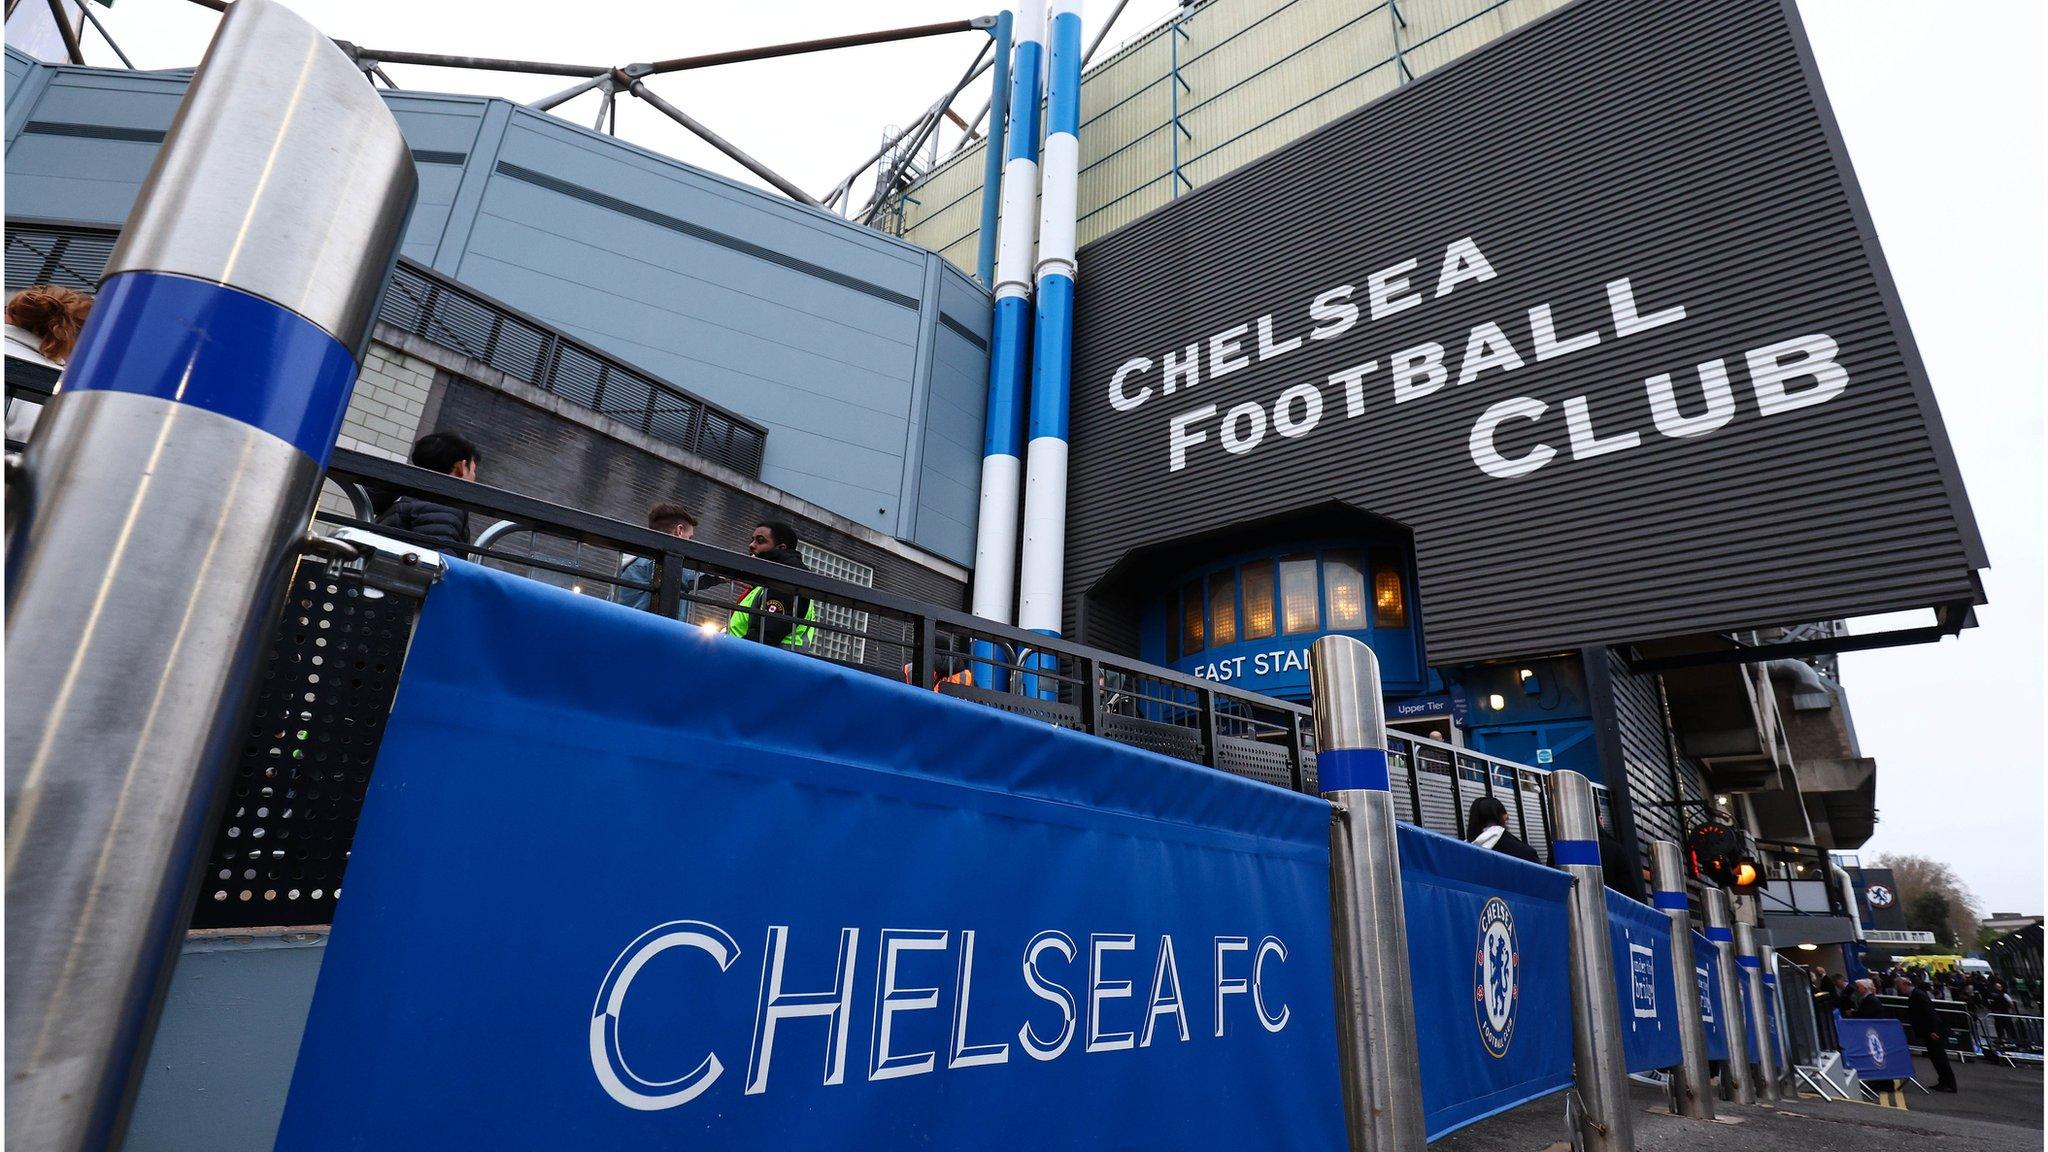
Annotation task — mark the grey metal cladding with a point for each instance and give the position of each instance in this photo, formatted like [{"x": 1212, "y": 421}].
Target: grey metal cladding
[{"x": 1684, "y": 145}]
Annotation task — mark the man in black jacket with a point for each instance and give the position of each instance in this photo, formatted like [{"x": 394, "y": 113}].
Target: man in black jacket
[
  {"x": 1923, "y": 1025},
  {"x": 452, "y": 455}
]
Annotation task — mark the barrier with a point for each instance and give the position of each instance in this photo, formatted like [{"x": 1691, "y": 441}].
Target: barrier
[
  {"x": 1875, "y": 1049},
  {"x": 1639, "y": 938},
  {"x": 1692, "y": 1088},
  {"x": 610, "y": 867},
  {"x": 1489, "y": 948},
  {"x": 1605, "y": 1121},
  {"x": 1706, "y": 967},
  {"x": 1737, "y": 1081}
]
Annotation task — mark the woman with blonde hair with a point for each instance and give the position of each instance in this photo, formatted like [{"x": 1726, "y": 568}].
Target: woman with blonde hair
[{"x": 43, "y": 322}]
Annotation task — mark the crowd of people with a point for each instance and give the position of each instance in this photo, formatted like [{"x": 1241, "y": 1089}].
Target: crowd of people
[
  {"x": 769, "y": 612},
  {"x": 1990, "y": 1004}
]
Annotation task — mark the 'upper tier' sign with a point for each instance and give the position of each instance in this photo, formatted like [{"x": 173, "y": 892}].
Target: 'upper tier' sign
[{"x": 1597, "y": 312}]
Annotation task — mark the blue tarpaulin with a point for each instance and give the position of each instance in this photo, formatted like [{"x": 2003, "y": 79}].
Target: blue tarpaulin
[
  {"x": 1644, "y": 974},
  {"x": 611, "y": 868},
  {"x": 1770, "y": 1017},
  {"x": 1489, "y": 960},
  {"x": 1707, "y": 972},
  {"x": 1875, "y": 1049}
]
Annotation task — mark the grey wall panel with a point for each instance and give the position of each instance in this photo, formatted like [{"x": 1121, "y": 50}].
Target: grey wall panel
[
  {"x": 950, "y": 494},
  {"x": 1684, "y": 146}
]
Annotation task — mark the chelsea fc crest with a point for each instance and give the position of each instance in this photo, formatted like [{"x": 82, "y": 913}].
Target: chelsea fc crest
[{"x": 1496, "y": 977}]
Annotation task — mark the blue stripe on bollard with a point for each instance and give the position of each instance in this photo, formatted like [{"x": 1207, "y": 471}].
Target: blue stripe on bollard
[
  {"x": 1720, "y": 935},
  {"x": 1567, "y": 852},
  {"x": 1749, "y": 961},
  {"x": 1669, "y": 901},
  {"x": 1346, "y": 769},
  {"x": 204, "y": 344}
]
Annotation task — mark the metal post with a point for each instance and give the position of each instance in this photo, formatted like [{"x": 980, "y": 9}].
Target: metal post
[
  {"x": 992, "y": 156},
  {"x": 1382, "y": 1073},
  {"x": 1691, "y": 1090},
  {"x": 1737, "y": 1083},
  {"x": 167, "y": 486},
  {"x": 1605, "y": 1122},
  {"x": 640, "y": 89},
  {"x": 1749, "y": 955}
]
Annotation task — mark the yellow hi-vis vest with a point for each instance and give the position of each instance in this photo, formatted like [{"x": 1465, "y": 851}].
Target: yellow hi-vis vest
[{"x": 742, "y": 621}]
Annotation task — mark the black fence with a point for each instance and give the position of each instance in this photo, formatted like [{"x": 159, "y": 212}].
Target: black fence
[{"x": 439, "y": 310}]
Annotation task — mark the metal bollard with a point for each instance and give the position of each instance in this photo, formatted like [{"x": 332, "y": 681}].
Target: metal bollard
[
  {"x": 1382, "y": 1072},
  {"x": 168, "y": 484},
  {"x": 1692, "y": 1089},
  {"x": 1737, "y": 1082},
  {"x": 1605, "y": 1123},
  {"x": 1748, "y": 955}
]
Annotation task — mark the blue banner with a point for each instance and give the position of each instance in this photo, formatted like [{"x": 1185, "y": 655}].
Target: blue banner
[
  {"x": 1489, "y": 958},
  {"x": 1645, "y": 973},
  {"x": 1707, "y": 972},
  {"x": 1770, "y": 1018},
  {"x": 611, "y": 868},
  {"x": 1875, "y": 1049}
]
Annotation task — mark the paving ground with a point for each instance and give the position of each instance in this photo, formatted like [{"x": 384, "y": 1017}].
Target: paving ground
[{"x": 1998, "y": 1110}]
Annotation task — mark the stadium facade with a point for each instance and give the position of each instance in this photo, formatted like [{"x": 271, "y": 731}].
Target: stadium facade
[{"x": 1654, "y": 603}]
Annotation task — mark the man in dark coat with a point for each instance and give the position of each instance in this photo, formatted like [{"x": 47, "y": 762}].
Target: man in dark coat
[
  {"x": 1923, "y": 1025},
  {"x": 452, "y": 455}
]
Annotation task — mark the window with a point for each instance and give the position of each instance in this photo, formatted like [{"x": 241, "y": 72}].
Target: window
[
  {"x": 1258, "y": 600},
  {"x": 1191, "y": 632},
  {"x": 1223, "y": 609},
  {"x": 1298, "y": 593},
  {"x": 1389, "y": 605},
  {"x": 839, "y": 645},
  {"x": 1344, "y": 590}
]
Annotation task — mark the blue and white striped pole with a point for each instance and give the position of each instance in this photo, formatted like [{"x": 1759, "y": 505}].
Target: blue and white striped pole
[
  {"x": 995, "y": 533},
  {"x": 1045, "y": 478},
  {"x": 168, "y": 484},
  {"x": 1606, "y": 1120},
  {"x": 1737, "y": 1083}
]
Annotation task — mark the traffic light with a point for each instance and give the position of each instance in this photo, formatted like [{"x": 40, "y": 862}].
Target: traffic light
[{"x": 1726, "y": 857}]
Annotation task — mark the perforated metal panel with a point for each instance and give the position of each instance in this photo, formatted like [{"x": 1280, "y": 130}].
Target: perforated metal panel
[{"x": 290, "y": 813}]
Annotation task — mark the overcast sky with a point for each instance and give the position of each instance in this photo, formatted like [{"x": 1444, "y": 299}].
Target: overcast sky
[{"x": 1945, "y": 126}]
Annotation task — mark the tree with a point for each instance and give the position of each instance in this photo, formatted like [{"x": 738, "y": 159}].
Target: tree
[{"x": 1916, "y": 876}]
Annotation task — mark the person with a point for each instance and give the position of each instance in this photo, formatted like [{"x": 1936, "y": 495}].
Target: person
[
  {"x": 43, "y": 323},
  {"x": 775, "y": 541},
  {"x": 1865, "y": 1004},
  {"x": 1999, "y": 1007},
  {"x": 1488, "y": 826},
  {"x": 451, "y": 455},
  {"x": 1844, "y": 996},
  {"x": 1923, "y": 1025},
  {"x": 672, "y": 520}
]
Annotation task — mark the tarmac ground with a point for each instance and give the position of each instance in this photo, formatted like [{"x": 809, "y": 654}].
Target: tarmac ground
[{"x": 1998, "y": 1109}]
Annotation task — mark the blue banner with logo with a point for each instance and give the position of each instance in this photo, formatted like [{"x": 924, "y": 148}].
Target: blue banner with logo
[
  {"x": 1875, "y": 1049},
  {"x": 622, "y": 884},
  {"x": 1489, "y": 959},
  {"x": 1706, "y": 958},
  {"x": 1645, "y": 975}
]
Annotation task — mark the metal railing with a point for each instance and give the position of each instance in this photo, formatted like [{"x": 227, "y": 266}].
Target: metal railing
[
  {"x": 1798, "y": 881},
  {"x": 437, "y": 309}
]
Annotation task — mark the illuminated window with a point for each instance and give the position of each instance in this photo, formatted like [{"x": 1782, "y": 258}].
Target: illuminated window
[
  {"x": 1258, "y": 600},
  {"x": 1298, "y": 593},
  {"x": 1191, "y": 635},
  {"x": 1344, "y": 590},
  {"x": 1222, "y": 609},
  {"x": 1389, "y": 605}
]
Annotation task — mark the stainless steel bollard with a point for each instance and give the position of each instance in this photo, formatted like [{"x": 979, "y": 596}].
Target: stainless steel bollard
[
  {"x": 166, "y": 487},
  {"x": 1692, "y": 1091},
  {"x": 1382, "y": 1072},
  {"x": 1737, "y": 1081},
  {"x": 1605, "y": 1123},
  {"x": 1761, "y": 1048}
]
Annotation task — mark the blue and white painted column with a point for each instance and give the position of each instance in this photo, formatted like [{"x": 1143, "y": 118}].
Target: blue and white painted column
[
  {"x": 1009, "y": 349},
  {"x": 167, "y": 486},
  {"x": 1750, "y": 954},
  {"x": 1045, "y": 478},
  {"x": 1381, "y": 1069},
  {"x": 1691, "y": 1090}
]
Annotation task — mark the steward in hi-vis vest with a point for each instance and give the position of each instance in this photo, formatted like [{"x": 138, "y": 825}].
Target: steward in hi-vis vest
[{"x": 774, "y": 601}]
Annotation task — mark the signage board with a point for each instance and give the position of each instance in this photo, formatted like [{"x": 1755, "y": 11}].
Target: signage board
[
  {"x": 1597, "y": 312},
  {"x": 621, "y": 884}
]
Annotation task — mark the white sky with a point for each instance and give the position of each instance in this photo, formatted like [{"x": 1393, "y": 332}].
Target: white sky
[{"x": 1944, "y": 121}]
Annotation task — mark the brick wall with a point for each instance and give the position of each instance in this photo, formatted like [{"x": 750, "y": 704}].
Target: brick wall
[{"x": 391, "y": 396}]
